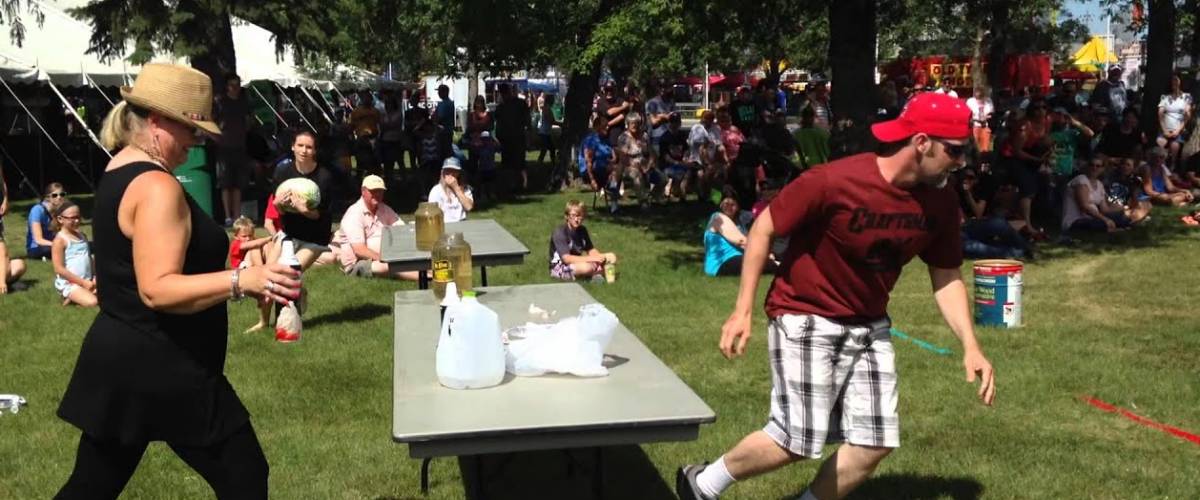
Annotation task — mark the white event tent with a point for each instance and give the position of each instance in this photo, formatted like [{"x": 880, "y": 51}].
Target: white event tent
[{"x": 54, "y": 52}]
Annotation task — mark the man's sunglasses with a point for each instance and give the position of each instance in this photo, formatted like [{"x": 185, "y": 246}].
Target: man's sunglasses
[
  {"x": 58, "y": 195},
  {"x": 952, "y": 150}
]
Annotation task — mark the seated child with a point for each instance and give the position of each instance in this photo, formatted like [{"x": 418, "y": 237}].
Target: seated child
[
  {"x": 72, "y": 257},
  {"x": 246, "y": 251},
  {"x": 572, "y": 254}
]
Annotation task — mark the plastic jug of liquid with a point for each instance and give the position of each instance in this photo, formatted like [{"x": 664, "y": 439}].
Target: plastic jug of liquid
[
  {"x": 430, "y": 225},
  {"x": 451, "y": 262},
  {"x": 470, "y": 352}
]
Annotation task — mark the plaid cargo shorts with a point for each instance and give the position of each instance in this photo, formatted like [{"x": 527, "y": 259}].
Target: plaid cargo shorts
[{"x": 830, "y": 383}]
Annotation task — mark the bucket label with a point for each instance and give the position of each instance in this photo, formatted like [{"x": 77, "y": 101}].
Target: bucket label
[
  {"x": 998, "y": 297},
  {"x": 442, "y": 272}
]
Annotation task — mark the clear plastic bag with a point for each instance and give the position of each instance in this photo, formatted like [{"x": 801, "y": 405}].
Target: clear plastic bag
[{"x": 573, "y": 345}]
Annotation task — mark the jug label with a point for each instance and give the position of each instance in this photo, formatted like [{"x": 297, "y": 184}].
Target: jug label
[{"x": 442, "y": 272}]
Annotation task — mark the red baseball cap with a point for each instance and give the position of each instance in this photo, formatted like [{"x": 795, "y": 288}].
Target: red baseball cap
[{"x": 930, "y": 113}]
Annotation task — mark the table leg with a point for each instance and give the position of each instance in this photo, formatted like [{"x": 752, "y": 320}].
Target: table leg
[
  {"x": 598, "y": 474},
  {"x": 422, "y": 280},
  {"x": 483, "y": 274},
  {"x": 477, "y": 491},
  {"x": 597, "y": 469},
  {"x": 425, "y": 475}
]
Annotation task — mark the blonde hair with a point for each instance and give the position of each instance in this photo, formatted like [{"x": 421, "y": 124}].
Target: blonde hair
[
  {"x": 121, "y": 125},
  {"x": 243, "y": 223},
  {"x": 574, "y": 205}
]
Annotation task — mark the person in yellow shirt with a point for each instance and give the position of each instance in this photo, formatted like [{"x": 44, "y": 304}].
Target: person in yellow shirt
[{"x": 364, "y": 121}]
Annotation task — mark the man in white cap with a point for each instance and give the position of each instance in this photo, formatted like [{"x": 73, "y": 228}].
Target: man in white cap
[
  {"x": 853, "y": 224},
  {"x": 360, "y": 235},
  {"x": 451, "y": 194}
]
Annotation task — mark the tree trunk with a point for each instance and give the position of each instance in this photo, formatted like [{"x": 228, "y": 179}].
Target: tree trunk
[
  {"x": 852, "y": 63},
  {"x": 978, "y": 76},
  {"x": 997, "y": 54},
  {"x": 1160, "y": 60},
  {"x": 577, "y": 109},
  {"x": 774, "y": 72},
  {"x": 210, "y": 31},
  {"x": 1193, "y": 7}
]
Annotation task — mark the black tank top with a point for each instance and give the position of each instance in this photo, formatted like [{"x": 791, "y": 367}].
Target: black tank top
[
  {"x": 144, "y": 375},
  {"x": 119, "y": 297}
]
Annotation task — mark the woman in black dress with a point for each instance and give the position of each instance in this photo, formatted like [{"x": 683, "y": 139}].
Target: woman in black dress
[{"x": 151, "y": 366}]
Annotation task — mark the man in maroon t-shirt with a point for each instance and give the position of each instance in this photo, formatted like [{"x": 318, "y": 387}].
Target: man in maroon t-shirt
[{"x": 853, "y": 225}]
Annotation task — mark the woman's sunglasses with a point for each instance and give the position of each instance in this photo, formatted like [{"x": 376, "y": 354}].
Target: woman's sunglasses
[{"x": 59, "y": 194}]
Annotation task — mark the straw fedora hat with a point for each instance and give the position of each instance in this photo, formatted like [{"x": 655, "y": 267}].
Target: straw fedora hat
[{"x": 177, "y": 92}]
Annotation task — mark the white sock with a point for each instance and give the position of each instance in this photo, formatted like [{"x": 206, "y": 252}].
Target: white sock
[
  {"x": 714, "y": 479},
  {"x": 808, "y": 495}
]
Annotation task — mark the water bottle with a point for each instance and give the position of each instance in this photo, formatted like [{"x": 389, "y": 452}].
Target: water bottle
[
  {"x": 11, "y": 402},
  {"x": 470, "y": 352}
]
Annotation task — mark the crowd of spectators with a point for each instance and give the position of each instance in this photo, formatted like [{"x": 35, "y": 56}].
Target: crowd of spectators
[{"x": 1073, "y": 164}]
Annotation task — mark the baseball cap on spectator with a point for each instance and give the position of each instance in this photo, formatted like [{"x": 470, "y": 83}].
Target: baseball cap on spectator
[
  {"x": 1157, "y": 152},
  {"x": 485, "y": 134},
  {"x": 937, "y": 115},
  {"x": 373, "y": 182},
  {"x": 451, "y": 163},
  {"x": 1060, "y": 109}
]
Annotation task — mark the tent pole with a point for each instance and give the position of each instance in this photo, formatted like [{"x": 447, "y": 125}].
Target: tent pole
[
  {"x": 339, "y": 92},
  {"x": 78, "y": 118},
  {"x": 314, "y": 103},
  {"x": 298, "y": 111},
  {"x": 71, "y": 162},
  {"x": 27, "y": 183},
  {"x": 268, "y": 103},
  {"x": 98, "y": 89},
  {"x": 333, "y": 107}
]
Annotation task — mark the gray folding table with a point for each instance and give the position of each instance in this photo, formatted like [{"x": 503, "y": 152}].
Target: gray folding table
[
  {"x": 640, "y": 401},
  {"x": 491, "y": 245}
]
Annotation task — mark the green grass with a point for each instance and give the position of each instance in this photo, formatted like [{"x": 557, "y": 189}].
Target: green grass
[{"x": 1106, "y": 318}]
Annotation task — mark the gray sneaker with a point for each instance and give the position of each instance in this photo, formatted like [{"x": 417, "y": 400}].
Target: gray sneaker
[{"x": 685, "y": 482}]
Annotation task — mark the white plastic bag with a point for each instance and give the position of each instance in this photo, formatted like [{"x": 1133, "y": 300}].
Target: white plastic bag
[
  {"x": 573, "y": 345},
  {"x": 470, "y": 354},
  {"x": 288, "y": 325}
]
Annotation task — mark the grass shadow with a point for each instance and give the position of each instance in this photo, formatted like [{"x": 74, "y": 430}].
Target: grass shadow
[
  {"x": 680, "y": 259},
  {"x": 1163, "y": 228},
  {"x": 361, "y": 312},
  {"x": 625, "y": 472},
  {"x": 915, "y": 487}
]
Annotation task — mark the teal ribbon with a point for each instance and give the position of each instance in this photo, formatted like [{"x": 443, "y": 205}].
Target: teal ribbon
[{"x": 941, "y": 351}]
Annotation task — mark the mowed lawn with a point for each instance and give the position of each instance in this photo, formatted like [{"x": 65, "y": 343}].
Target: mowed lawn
[{"x": 1114, "y": 319}]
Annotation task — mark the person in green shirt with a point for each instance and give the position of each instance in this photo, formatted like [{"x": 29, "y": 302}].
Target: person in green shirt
[
  {"x": 812, "y": 141},
  {"x": 1065, "y": 131}
]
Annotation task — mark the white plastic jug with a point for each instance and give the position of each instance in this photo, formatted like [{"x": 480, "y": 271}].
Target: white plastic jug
[{"x": 470, "y": 352}]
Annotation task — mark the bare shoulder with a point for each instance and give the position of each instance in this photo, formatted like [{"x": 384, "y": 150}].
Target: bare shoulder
[
  {"x": 156, "y": 185},
  {"x": 155, "y": 193}
]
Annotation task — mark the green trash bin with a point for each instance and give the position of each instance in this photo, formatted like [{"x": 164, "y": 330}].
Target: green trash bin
[{"x": 197, "y": 181}]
